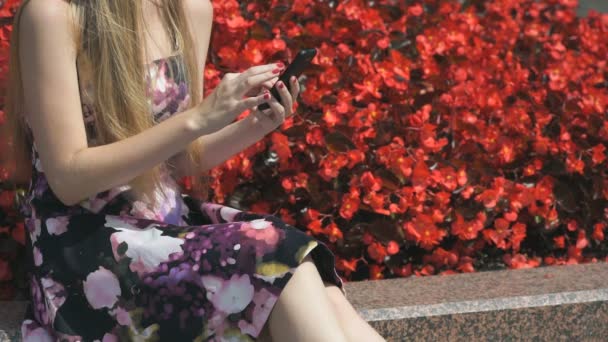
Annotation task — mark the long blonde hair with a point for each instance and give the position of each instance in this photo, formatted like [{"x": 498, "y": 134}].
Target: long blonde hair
[{"x": 109, "y": 35}]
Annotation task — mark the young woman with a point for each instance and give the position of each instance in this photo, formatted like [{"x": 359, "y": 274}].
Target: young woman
[{"x": 106, "y": 103}]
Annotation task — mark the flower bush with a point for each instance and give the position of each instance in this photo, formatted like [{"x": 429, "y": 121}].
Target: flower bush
[{"x": 432, "y": 137}]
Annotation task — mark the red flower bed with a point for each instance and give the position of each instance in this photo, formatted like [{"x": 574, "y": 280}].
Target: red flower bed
[{"x": 431, "y": 136}]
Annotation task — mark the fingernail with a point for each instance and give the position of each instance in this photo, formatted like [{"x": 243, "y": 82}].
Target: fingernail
[
  {"x": 267, "y": 96},
  {"x": 293, "y": 78},
  {"x": 281, "y": 85},
  {"x": 276, "y": 71},
  {"x": 280, "y": 65}
]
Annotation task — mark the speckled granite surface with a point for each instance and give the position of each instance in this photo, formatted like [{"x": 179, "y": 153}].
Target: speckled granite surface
[
  {"x": 574, "y": 322},
  {"x": 568, "y": 303},
  {"x": 11, "y": 314},
  {"x": 556, "y": 284},
  {"x": 585, "y": 5}
]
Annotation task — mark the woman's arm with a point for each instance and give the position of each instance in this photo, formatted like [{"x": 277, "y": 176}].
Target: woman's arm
[
  {"x": 52, "y": 103},
  {"x": 199, "y": 15}
]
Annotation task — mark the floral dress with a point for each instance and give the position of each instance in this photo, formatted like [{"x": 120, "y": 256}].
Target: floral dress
[{"x": 114, "y": 269}]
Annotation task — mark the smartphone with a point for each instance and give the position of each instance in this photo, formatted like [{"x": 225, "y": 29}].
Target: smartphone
[{"x": 295, "y": 68}]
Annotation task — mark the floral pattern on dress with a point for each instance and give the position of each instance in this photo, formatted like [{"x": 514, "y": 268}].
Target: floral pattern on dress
[{"x": 115, "y": 269}]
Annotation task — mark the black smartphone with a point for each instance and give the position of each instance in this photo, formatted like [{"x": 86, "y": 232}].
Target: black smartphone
[{"x": 295, "y": 68}]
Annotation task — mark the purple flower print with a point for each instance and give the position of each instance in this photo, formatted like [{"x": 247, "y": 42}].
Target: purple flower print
[
  {"x": 37, "y": 256},
  {"x": 54, "y": 295},
  {"x": 38, "y": 303}
]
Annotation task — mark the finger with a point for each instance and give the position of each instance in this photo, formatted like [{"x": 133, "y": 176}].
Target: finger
[
  {"x": 269, "y": 84},
  {"x": 295, "y": 88},
  {"x": 295, "y": 91},
  {"x": 254, "y": 101},
  {"x": 286, "y": 98},
  {"x": 254, "y": 91},
  {"x": 278, "y": 111},
  {"x": 261, "y": 69},
  {"x": 245, "y": 84}
]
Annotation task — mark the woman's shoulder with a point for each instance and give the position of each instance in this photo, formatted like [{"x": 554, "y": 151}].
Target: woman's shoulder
[
  {"x": 199, "y": 6},
  {"x": 48, "y": 17},
  {"x": 47, "y": 11},
  {"x": 200, "y": 12}
]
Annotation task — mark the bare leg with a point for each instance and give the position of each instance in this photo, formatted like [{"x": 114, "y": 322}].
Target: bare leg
[
  {"x": 353, "y": 325},
  {"x": 303, "y": 311}
]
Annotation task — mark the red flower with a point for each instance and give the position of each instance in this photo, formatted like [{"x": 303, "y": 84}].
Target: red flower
[
  {"x": 346, "y": 266},
  {"x": 315, "y": 136},
  {"x": 377, "y": 202},
  {"x": 521, "y": 261},
  {"x": 315, "y": 227},
  {"x": 392, "y": 248},
  {"x": 331, "y": 165},
  {"x": 420, "y": 176},
  {"x": 376, "y": 272},
  {"x": 280, "y": 144},
  {"x": 423, "y": 231},
  {"x": 468, "y": 230},
  {"x": 377, "y": 252},
  {"x": 442, "y": 257},
  {"x": 560, "y": 241},
  {"x": 518, "y": 235},
  {"x": 369, "y": 86},
  {"x": 415, "y": 10},
  {"x": 333, "y": 232},
  {"x": 599, "y": 154},
  {"x": 598, "y": 231},
  {"x": 350, "y": 204},
  {"x": 370, "y": 183}
]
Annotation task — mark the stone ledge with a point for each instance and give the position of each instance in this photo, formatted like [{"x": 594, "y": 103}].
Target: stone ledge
[
  {"x": 541, "y": 304},
  {"x": 11, "y": 314},
  {"x": 547, "y": 304},
  {"x": 585, "y": 5}
]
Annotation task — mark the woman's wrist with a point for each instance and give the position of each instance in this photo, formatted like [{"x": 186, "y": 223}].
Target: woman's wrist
[
  {"x": 250, "y": 126},
  {"x": 199, "y": 122}
]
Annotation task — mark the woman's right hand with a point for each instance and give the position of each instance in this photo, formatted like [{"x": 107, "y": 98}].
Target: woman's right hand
[{"x": 229, "y": 99}]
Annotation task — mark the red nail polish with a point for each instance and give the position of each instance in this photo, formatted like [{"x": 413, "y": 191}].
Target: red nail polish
[
  {"x": 267, "y": 96},
  {"x": 281, "y": 85},
  {"x": 276, "y": 71},
  {"x": 280, "y": 65}
]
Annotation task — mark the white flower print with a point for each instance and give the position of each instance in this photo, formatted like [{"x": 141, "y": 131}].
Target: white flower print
[
  {"x": 229, "y": 296},
  {"x": 147, "y": 247}
]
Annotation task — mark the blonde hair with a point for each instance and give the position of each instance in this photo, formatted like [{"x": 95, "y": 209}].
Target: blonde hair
[{"x": 109, "y": 36}]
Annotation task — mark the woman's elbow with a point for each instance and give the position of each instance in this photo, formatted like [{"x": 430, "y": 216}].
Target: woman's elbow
[{"x": 64, "y": 189}]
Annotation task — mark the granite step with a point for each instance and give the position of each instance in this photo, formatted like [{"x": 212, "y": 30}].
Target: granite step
[{"x": 566, "y": 303}]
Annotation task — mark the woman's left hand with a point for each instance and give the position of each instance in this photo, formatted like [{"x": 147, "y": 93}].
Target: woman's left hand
[{"x": 272, "y": 118}]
